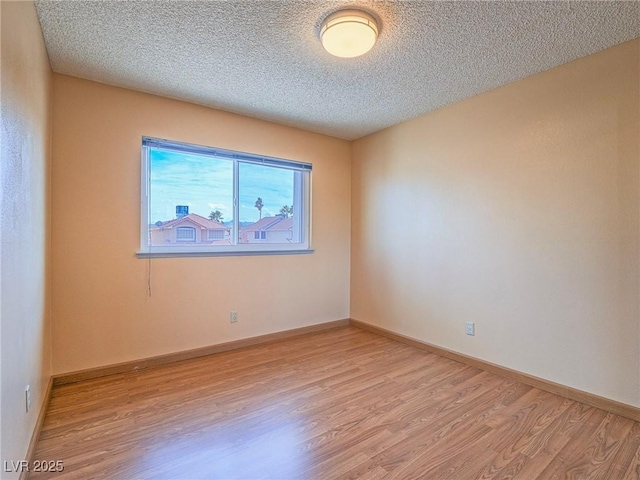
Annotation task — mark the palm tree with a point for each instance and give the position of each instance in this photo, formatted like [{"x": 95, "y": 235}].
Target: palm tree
[
  {"x": 286, "y": 211},
  {"x": 259, "y": 206},
  {"x": 216, "y": 216}
]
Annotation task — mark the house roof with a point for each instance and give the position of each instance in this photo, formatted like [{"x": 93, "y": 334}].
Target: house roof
[
  {"x": 283, "y": 225},
  {"x": 196, "y": 219},
  {"x": 266, "y": 223}
]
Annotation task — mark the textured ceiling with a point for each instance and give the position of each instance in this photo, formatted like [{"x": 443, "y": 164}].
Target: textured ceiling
[{"x": 263, "y": 58}]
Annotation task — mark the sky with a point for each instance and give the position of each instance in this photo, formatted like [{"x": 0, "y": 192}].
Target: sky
[{"x": 206, "y": 184}]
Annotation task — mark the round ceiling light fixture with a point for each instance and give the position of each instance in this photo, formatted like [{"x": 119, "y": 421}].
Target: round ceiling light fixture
[{"x": 349, "y": 33}]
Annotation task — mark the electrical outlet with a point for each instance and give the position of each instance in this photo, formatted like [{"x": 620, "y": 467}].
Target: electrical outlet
[
  {"x": 27, "y": 398},
  {"x": 470, "y": 328},
  {"x": 233, "y": 318}
]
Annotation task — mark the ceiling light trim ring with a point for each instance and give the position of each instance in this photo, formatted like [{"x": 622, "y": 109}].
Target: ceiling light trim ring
[{"x": 349, "y": 33}]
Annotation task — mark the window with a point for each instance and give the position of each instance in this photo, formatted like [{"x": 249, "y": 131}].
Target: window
[
  {"x": 186, "y": 234},
  {"x": 215, "y": 235},
  {"x": 205, "y": 201}
]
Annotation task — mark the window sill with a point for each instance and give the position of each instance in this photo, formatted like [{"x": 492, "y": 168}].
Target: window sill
[{"x": 239, "y": 253}]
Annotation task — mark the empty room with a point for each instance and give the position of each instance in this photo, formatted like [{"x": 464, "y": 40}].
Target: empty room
[{"x": 309, "y": 239}]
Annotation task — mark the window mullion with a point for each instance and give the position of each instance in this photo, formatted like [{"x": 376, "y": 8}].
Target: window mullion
[{"x": 236, "y": 202}]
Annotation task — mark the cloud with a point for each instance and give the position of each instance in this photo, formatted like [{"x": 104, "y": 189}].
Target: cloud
[{"x": 218, "y": 206}]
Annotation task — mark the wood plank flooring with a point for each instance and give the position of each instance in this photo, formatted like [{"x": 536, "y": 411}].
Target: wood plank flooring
[{"x": 338, "y": 404}]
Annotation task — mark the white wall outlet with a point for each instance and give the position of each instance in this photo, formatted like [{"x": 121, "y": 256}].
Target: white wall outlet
[
  {"x": 233, "y": 318},
  {"x": 27, "y": 398},
  {"x": 470, "y": 328}
]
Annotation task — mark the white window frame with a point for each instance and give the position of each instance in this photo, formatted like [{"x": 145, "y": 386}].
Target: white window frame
[{"x": 302, "y": 196}]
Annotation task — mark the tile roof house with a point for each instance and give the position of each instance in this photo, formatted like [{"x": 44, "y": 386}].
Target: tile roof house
[
  {"x": 191, "y": 229},
  {"x": 278, "y": 229}
]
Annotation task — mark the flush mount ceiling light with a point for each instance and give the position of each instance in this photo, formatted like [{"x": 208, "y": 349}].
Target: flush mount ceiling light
[{"x": 348, "y": 33}]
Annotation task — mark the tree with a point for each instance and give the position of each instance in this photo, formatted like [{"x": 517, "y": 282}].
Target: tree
[
  {"x": 286, "y": 211},
  {"x": 216, "y": 216},
  {"x": 259, "y": 206}
]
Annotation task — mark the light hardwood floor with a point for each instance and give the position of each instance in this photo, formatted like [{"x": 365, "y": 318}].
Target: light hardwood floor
[{"x": 342, "y": 403}]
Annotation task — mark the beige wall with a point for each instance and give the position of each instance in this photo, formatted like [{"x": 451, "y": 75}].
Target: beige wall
[
  {"x": 101, "y": 309},
  {"x": 24, "y": 313},
  {"x": 518, "y": 210}
]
